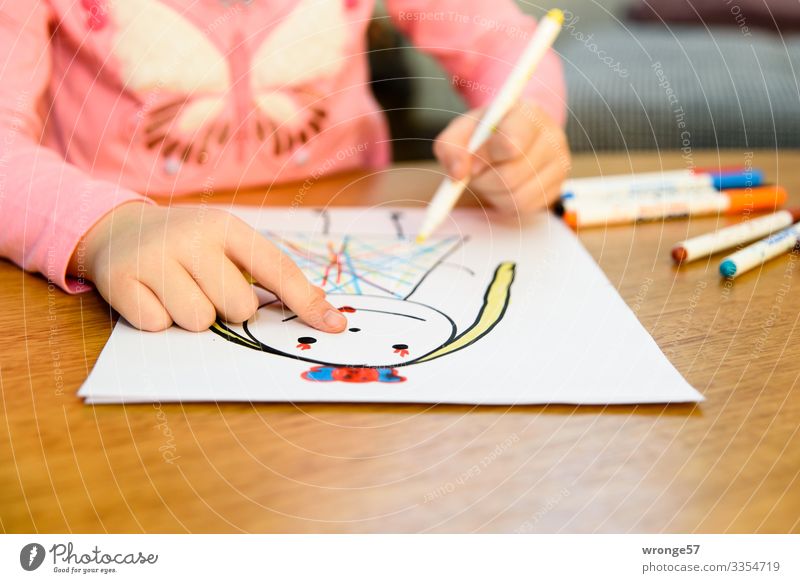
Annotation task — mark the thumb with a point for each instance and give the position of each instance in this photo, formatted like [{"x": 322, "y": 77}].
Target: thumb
[{"x": 450, "y": 147}]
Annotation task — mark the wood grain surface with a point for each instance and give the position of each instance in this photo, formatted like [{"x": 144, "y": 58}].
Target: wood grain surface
[{"x": 730, "y": 464}]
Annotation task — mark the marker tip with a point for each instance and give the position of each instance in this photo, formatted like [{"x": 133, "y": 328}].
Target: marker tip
[
  {"x": 727, "y": 268},
  {"x": 557, "y": 15}
]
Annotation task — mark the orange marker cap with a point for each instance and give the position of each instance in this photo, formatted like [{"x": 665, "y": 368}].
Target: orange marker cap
[{"x": 758, "y": 198}]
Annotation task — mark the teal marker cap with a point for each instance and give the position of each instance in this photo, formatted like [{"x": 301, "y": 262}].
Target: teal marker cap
[{"x": 727, "y": 268}]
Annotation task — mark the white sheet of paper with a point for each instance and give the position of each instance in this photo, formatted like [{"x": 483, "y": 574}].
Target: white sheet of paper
[{"x": 479, "y": 314}]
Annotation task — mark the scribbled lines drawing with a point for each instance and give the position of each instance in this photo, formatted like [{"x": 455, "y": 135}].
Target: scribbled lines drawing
[{"x": 371, "y": 279}]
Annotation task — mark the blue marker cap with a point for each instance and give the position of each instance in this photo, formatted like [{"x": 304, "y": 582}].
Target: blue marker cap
[
  {"x": 743, "y": 179},
  {"x": 727, "y": 268}
]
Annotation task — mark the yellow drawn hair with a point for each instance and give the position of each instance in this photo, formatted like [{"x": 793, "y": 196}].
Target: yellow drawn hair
[{"x": 495, "y": 303}]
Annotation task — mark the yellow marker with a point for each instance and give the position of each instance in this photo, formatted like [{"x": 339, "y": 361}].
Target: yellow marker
[{"x": 449, "y": 191}]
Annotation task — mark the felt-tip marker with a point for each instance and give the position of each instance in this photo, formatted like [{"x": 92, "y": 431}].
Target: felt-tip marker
[
  {"x": 732, "y": 201},
  {"x": 760, "y": 252},
  {"x": 625, "y": 185},
  {"x": 744, "y": 232}
]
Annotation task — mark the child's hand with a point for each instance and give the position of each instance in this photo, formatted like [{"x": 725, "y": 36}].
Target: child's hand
[
  {"x": 158, "y": 265},
  {"x": 521, "y": 166}
]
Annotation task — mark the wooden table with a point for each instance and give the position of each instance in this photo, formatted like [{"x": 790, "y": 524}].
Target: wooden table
[{"x": 728, "y": 465}]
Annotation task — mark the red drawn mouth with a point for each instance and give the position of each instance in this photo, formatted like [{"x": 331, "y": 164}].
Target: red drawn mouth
[{"x": 302, "y": 346}]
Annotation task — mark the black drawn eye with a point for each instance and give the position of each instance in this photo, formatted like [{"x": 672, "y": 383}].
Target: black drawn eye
[
  {"x": 401, "y": 349},
  {"x": 355, "y": 329},
  {"x": 305, "y": 342}
]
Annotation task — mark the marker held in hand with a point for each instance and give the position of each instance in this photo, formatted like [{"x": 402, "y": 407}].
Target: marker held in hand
[{"x": 450, "y": 190}]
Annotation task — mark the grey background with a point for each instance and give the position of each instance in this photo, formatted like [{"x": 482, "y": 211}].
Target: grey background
[{"x": 728, "y": 89}]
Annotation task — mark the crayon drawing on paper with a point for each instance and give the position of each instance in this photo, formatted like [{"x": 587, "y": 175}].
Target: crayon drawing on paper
[{"x": 373, "y": 281}]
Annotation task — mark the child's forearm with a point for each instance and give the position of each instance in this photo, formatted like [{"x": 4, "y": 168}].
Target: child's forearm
[
  {"x": 46, "y": 204},
  {"x": 48, "y": 207}
]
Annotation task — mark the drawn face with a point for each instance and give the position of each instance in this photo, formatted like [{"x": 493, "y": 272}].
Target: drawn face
[{"x": 381, "y": 332}]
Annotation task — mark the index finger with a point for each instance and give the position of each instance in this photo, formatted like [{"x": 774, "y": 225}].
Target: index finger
[{"x": 278, "y": 273}]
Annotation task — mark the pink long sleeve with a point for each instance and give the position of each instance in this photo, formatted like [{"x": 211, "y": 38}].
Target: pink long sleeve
[
  {"x": 46, "y": 204},
  {"x": 478, "y": 42}
]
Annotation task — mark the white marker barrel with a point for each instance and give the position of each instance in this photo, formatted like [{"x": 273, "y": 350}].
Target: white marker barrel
[
  {"x": 632, "y": 211},
  {"x": 760, "y": 252},
  {"x": 744, "y": 232},
  {"x": 623, "y": 195},
  {"x": 514, "y": 85},
  {"x": 620, "y": 211},
  {"x": 624, "y": 179},
  {"x": 614, "y": 187}
]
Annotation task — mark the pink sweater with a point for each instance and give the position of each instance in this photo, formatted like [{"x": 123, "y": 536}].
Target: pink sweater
[{"x": 107, "y": 101}]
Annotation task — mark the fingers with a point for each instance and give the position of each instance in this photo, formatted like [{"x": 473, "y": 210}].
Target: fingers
[
  {"x": 279, "y": 274},
  {"x": 226, "y": 288},
  {"x": 550, "y": 146},
  {"x": 137, "y": 304},
  {"x": 504, "y": 178},
  {"x": 528, "y": 160},
  {"x": 551, "y": 179},
  {"x": 183, "y": 299},
  {"x": 515, "y": 135},
  {"x": 450, "y": 147},
  {"x": 536, "y": 192},
  {"x": 525, "y": 142}
]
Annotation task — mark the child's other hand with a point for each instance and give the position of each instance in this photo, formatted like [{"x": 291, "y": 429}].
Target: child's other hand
[
  {"x": 158, "y": 265},
  {"x": 521, "y": 166}
]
